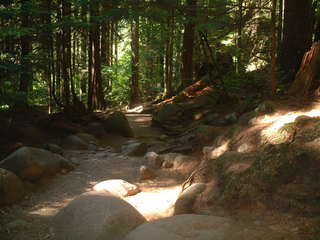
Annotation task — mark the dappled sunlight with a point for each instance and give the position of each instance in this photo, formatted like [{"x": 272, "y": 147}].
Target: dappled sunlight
[
  {"x": 277, "y": 121},
  {"x": 210, "y": 152},
  {"x": 154, "y": 203}
]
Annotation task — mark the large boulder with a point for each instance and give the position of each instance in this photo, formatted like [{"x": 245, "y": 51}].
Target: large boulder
[
  {"x": 96, "y": 216},
  {"x": 11, "y": 187},
  {"x": 118, "y": 123},
  {"x": 33, "y": 163},
  {"x": 96, "y": 129},
  {"x": 134, "y": 148},
  {"x": 117, "y": 187},
  {"x": 202, "y": 227},
  {"x": 183, "y": 227},
  {"x": 186, "y": 200},
  {"x": 74, "y": 142},
  {"x": 88, "y": 138}
]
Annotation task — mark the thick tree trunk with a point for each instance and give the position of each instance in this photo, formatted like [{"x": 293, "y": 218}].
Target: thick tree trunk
[
  {"x": 307, "y": 81},
  {"x": 26, "y": 48},
  {"x": 95, "y": 96},
  {"x": 297, "y": 35},
  {"x": 188, "y": 44}
]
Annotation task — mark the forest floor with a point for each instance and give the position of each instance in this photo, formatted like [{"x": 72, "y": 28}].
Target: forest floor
[{"x": 30, "y": 219}]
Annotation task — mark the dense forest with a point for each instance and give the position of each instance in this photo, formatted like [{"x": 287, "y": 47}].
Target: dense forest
[
  {"x": 107, "y": 53},
  {"x": 176, "y": 119}
]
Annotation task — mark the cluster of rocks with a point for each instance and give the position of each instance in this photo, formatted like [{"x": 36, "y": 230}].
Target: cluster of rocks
[
  {"x": 28, "y": 164},
  {"x": 102, "y": 215}
]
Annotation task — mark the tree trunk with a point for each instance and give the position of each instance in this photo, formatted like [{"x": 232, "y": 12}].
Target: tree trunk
[
  {"x": 66, "y": 52},
  {"x": 188, "y": 44},
  {"x": 95, "y": 95},
  {"x": 297, "y": 35},
  {"x": 135, "y": 62},
  {"x": 26, "y": 49},
  {"x": 274, "y": 68},
  {"x": 169, "y": 56},
  {"x": 307, "y": 80}
]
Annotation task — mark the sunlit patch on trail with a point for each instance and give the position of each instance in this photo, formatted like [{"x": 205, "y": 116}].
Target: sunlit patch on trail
[{"x": 154, "y": 203}]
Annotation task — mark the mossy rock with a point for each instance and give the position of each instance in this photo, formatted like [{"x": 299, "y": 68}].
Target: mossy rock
[{"x": 270, "y": 169}]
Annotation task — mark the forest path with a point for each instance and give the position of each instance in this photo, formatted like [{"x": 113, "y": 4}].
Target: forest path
[{"x": 30, "y": 219}]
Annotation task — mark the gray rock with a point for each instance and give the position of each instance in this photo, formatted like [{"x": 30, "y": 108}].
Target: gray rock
[
  {"x": 183, "y": 227},
  {"x": 96, "y": 129},
  {"x": 74, "y": 142},
  {"x": 53, "y": 148},
  {"x": 154, "y": 159},
  {"x": 135, "y": 149},
  {"x": 147, "y": 173},
  {"x": 118, "y": 123},
  {"x": 11, "y": 187},
  {"x": 186, "y": 200},
  {"x": 96, "y": 216},
  {"x": 117, "y": 187},
  {"x": 30, "y": 163}
]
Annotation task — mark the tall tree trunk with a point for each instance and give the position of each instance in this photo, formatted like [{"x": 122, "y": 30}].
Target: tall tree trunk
[
  {"x": 26, "y": 49},
  {"x": 66, "y": 51},
  {"x": 169, "y": 56},
  {"x": 240, "y": 66},
  {"x": 135, "y": 62},
  {"x": 297, "y": 35},
  {"x": 95, "y": 95},
  {"x": 274, "y": 68},
  {"x": 47, "y": 42},
  {"x": 188, "y": 44}
]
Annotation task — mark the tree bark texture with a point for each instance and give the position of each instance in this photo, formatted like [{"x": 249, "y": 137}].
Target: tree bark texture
[
  {"x": 307, "y": 80},
  {"x": 26, "y": 48},
  {"x": 297, "y": 35},
  {"x": 188, "y": 44}
]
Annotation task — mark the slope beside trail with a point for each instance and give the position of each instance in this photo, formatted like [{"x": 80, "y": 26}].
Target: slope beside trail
[{"x": 30, "y": 219}]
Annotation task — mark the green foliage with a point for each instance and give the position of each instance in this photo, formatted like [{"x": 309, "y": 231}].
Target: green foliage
[{"x": 119, "y": 75}]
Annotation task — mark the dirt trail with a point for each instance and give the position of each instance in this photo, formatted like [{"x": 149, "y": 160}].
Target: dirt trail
[{"x": 30, "y": 219}]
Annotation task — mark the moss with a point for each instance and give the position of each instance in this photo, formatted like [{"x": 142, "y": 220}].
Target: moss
[{"x": 267, "y": 173}]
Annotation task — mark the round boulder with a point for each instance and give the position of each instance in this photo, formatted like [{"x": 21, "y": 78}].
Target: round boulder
[
  {"x": 183, "y": 227},
  {"x": 30, "y": 163},
  {"x": 11, "y": 187},
  {"x": 147, "y": 173},
  {"x": 118, "y": 123},
  {"x": 186, "y": 200},
  {"x": 96, "y": 216},
  {"x": 134, "y": 148},
  {"x": 154, "y": 159},
  {"x": 74, "y": 142},
  {"x": 117, "y": 187}
]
